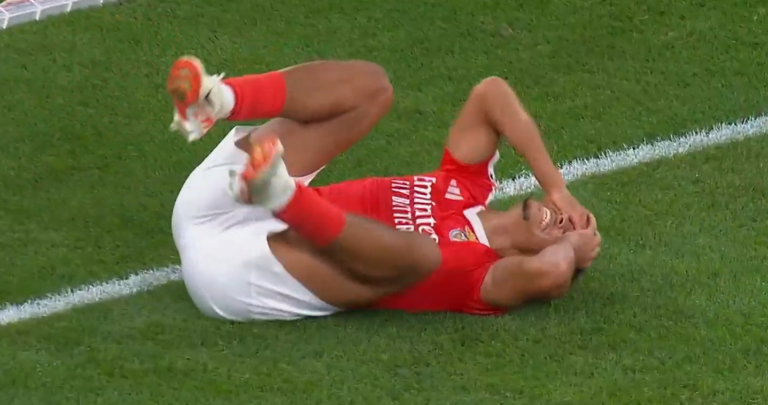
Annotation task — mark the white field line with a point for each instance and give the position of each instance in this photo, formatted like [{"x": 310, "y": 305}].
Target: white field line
[
  {"x": 646, "y": 152},
  {"x": 88, "y": 294},
  {"x": 524, "y": 183}
]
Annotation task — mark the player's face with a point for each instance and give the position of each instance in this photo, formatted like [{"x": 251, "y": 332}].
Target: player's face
[
  {"x": 545, "y": 220},
  {"x": 542, "y": 226}
]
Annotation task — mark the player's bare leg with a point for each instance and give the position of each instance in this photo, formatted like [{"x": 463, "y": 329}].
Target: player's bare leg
[
  {"x": 320, "y": 108},
  {"x": 323, "y": 108},
  {"x": 370, "y": 252}
]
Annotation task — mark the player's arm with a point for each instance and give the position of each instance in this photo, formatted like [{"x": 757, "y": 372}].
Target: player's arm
[
  {"x": 516, "y": 280},
  {"x": 492, "y": 111}
]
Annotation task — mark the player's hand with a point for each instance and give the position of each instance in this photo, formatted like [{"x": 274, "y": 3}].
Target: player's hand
[
  {"x": 586, "y": 243},
  {"x": 564, "y": 201}
]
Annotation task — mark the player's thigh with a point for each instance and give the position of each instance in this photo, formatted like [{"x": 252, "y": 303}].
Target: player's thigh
[
  {"x": 321, "y": 276},
  {"x": 235, "y": 275},
  {"x": 310, "y": 147},
  {"x": 298, "y": 144}
]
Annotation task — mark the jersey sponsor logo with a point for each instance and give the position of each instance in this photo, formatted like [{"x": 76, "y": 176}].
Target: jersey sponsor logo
[
  {"x": 454, "y": 192},
  {"x": 412, "y": 205},
  {"x": 462, "y": 235}
]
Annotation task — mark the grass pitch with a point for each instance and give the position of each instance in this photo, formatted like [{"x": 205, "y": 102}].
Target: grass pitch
[{"x": 673, "y": 312}]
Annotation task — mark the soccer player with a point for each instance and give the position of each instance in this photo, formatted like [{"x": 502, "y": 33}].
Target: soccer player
[{"x": 257, "y": 243}]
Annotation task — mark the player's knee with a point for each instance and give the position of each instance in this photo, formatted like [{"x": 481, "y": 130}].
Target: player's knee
[
  {"x": 377, "y": 84},
  {"x": 421, "y": 256},
  {"x": 429, "y": 256}
]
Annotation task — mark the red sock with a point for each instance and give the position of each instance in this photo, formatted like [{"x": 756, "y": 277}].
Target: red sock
[
  {"x": 313, "y": 217},
  {"x": 257, "y": 96}
]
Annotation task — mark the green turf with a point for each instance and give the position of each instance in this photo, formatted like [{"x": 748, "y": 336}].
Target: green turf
[{"x": 673, "y": 313}]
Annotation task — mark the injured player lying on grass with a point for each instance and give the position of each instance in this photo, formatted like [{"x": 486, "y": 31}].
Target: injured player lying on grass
[{"x": 258, "y": 243}]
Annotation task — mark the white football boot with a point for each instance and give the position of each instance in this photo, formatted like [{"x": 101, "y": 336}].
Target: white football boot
[
  {"x": 199, "y": 98},
  {"x": 264, "y": 181}
]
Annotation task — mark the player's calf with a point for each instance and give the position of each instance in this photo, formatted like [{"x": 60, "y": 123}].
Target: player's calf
[
  {"x": 368, "y": 251},
  {"x": 376, "y": 255},
  {"x": 306, "y": 93}
]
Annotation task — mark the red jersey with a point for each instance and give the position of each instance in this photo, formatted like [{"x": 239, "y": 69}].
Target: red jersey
[{"x": 442, "y": 205}]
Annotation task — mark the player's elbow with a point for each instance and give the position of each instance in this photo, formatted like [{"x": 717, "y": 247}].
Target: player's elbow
[
  {"x": 549, "y": 280},
  {"x": 491, "y": 87},
  {"x": 555, "y": 283},
  {"x": 557, "y": 266},
  {"x": 493, "y": 92},
  {"x": 517, "y": 281},
  {"x": 491, "y": 83}
]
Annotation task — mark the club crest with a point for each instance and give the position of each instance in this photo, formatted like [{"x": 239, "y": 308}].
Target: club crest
[{"x": 462, "y": 235}]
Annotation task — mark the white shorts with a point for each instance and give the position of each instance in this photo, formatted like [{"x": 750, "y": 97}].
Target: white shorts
[{"x": 227, "y": 265}]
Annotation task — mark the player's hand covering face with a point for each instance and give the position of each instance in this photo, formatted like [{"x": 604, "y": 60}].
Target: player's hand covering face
[
  {"x": 586, "y": 243},
  {"x": 574, "y": 212}
]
